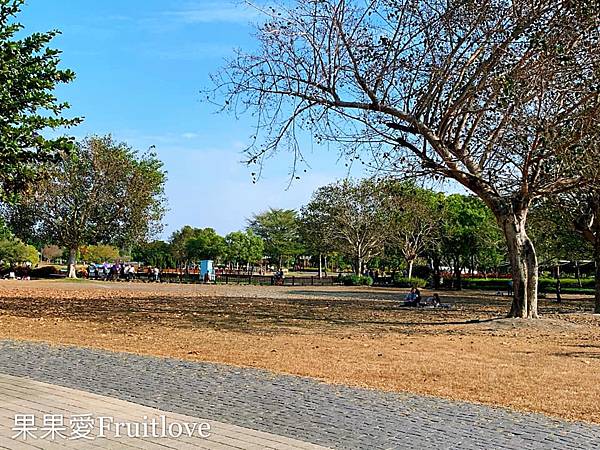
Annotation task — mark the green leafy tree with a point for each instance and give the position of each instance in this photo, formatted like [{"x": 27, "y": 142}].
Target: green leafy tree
[
  {"x": 99, "y": 253},
  {"x": 103, "y": 193},
  {"x": 29, "y": 74},
  {"x": 178, "y": 244},
  {"x": 244, "y": 247},
  {"x": 279, "y": 229},
  {"x": 206, "y": 244},
  {"x": 351, "y": 217},
  {"x": 155, "y": 253},
  {"x": 13, "y": 251},
  {"x": 470, "y": 235},
  {"x": 315, "y": 231}
]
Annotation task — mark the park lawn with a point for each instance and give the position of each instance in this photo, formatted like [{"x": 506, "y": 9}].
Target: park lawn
[{"x": 353, "y": 336}]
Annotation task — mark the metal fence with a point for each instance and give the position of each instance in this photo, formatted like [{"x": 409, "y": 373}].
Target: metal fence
[
  {"x": 174, "y": 276},
  {"x": 270, "y": 280}
]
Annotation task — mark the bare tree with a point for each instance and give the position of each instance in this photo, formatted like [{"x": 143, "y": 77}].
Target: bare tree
[
  {"x": 414, "y": 217},
  {"x": 498, "y": 95}
]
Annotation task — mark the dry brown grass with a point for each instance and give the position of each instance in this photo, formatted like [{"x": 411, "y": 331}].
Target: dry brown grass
[{"x": 354, "y": 336}]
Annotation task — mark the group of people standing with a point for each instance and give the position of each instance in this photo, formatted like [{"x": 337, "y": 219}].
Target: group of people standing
[
  {"x": 111, "y": 272},
  {"x": 119, "y": 271}
]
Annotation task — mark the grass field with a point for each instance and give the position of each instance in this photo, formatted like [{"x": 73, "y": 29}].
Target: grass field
[{"x": 354, "y": 336}]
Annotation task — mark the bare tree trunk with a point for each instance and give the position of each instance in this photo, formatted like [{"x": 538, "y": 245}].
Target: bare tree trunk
[
  {"x": 320, "y": 266},
  {"x": 436, "y": 273},
  {"x": 524, "y": 265},
  {"x": 72, "y": 270},
  {"x": 597, "y": 261},
  {"x": 359, "y": 264},
  {"x": 558, "y": 293},
  {"x": 578, "y": 274},
  {"x": 457, "y": 274},
  {"x": 410, "y": 268}
]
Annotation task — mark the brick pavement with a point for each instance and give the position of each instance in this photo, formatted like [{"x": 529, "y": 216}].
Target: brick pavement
[
  {"x": 299, "y": 408},
  {"x": 61, "y": 420}
]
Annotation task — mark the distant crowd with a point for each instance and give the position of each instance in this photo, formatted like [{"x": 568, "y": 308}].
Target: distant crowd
[{"x": 119, "y": 271}]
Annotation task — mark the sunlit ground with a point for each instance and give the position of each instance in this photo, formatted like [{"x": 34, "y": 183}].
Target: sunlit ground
[{"x": 354, "y": 336}]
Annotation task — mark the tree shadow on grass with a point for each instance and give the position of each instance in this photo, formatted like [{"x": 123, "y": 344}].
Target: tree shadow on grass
[
  {"x": 582, "y": 355},
  {"x": 259, "y": 315}
]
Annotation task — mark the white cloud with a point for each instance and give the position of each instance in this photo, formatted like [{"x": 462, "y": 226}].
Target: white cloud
[
  {"x": 190, "y": 52},
  {"x": 211, "y": 12}
]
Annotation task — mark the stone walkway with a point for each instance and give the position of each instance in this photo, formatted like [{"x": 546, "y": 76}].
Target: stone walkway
[
  {"x": 36, "y": 415},
  {"x": 298, "y": 408}
]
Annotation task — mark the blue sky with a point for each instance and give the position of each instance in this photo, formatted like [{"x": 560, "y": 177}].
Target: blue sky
[{"x": 140, "y": 66}]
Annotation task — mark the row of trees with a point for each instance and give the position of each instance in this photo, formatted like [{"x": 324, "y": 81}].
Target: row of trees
[
  {"x": 363, "y": 224},
  {"x": 399, "y": 222},
  {"x": 189, "y": 245}
]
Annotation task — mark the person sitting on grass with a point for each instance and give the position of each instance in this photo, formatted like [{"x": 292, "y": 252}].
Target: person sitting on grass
[
  {"x": 435, "y": 302},
  {"x": 432, "y": 302},
  {"x": 413, "y": 298}
]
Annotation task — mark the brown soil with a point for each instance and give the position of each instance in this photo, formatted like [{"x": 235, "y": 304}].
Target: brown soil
[{"x": 354, "y": 336}]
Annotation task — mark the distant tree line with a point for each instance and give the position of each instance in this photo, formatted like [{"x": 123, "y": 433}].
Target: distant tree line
[
  {"x": 384, "y": 225},
  {"x": 351, "y": 225}
]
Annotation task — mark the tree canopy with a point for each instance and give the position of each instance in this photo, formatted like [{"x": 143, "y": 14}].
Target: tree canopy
[
  {"x": 29, "y": 74},
  {"x": 350, "y": 217},
  {"x": 13, "y": 251},
  {"x": 244, "y": 247},
  {"x": 205, "y": 244},
  {"x": 102, "y": 193},
  {"x": 279, "y": 229}
]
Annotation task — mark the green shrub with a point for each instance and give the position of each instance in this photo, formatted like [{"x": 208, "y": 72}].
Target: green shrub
[
  {"x": 544, "y": 285},
  {"x": 400, "y": 281},
  {"x": 356, "y": 280},
  {"x": 489, "y": 284},
  {"x": 549, "y": 284}
]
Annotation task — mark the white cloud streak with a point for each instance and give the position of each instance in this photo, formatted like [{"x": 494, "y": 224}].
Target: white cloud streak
[{"x": 215, "y": 12}]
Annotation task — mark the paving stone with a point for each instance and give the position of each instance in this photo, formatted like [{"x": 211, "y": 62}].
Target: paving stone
[{"x": 304, "y": 409}]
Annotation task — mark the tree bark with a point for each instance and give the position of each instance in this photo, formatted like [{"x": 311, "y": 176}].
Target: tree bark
[
  {"x": 524, "y": 265},
  {"x": 359, "y": 264},
  {"x": 578, "y": 274},
  {"x": 558, "y": 293},
  {"x": 597, "y": 261},
  {"x": 457, "y": 274},
  {"x": 72, "y": 270},
  {"x": 436, "y": 273},
  {"x": 320, "y": 266},
  {"x": 410, "y": 268}
]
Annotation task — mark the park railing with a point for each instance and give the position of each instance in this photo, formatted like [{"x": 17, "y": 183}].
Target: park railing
[
  {"x": 228, "y": 278},
  {"x": 174, "y": 276}
]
